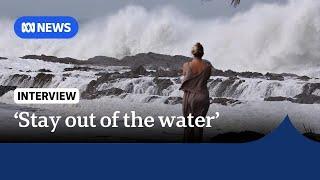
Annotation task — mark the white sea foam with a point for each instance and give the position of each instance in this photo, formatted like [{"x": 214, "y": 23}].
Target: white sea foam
[{"x": 268, "y": 37}]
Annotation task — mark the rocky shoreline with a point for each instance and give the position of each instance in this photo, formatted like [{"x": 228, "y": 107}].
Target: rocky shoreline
[{"x": 164, "y": 71}]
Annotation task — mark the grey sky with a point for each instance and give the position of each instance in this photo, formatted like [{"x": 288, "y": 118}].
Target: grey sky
[{"x": 88, "y": 9}]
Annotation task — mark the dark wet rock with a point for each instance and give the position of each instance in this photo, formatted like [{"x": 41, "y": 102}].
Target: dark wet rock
[
  {"x": 150, "y": 99},
  {"x": 22, "y": 80},
  {"x": 278, "y": 98},
  {"x": 304, "y": 78},
  {"x": 134, "y": 73},
  {"x": 5, "y": 89},
  {"x": 217, "y": 72},
  {"x": 225, "y": 87},
  {"x": 66, "y": 75},
  {"x": 91, "y": 89},
  {"x": 93, "y": 85},
  {"x": 177, "y": 80},
  {"x": 173, "y": 100},
  {"x": 129, "y": 88},
  {"x": 42, "y": 80},
  {"x": 255, "y": 75},
  {"x": 99, "y": 94},
  {"x": 235, "y": 137},
  {"x": 225, "y": 101},
  {"x": 251, "y": 75},
  {"x": 3, "y": 58},
  {"x": 307, "y": 96},
  {"x": 310, "y": 88},
  {"x": 230, "y": 73},
  {"x": 114, "y": 91},
  {"x": 162, "y": 84},
  {"x": 44, "y": 70},
  {"x": 213, "y": 83},
  {"x": 126, "y": 75},
  {"x": 231, "y": 91},
  {"x": 289, "y": 75},
  {"x": 144, "y": 59},
  {"x": 80, "y": 68},
  {"x": 17, "y": 80},
  {"x": 140, "y": 70},
  {"x": 222, "y": 87},
  {"x": 155, "y": 60},
  {"x": 66, "y": 60},
  {"x": 152, "y": 60},
  {"x": 103, "y": 61},
  {"x": 123, "y": 95},
  {"x": 307, "y": 99},
  {"x": 168, "y": 73},
  {"x": 295, "y": 76},
  {"x": 272, "y": 76},
  {"x": 101, "y": 73}
]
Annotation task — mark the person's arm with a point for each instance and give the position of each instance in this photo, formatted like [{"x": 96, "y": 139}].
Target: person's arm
[{"x": 184, "y": 69}]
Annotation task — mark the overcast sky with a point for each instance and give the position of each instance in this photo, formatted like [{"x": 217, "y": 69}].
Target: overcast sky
[{"x": 88, "y": 9}]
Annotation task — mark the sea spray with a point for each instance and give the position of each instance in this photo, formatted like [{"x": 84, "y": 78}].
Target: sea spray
[{"x": 268, "y": 37}]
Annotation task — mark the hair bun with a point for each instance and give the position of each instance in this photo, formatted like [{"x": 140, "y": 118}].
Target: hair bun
[{"x": 197, "y": 50}]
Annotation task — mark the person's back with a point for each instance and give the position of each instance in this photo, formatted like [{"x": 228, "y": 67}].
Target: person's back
[
  {"x": 196, "y": 74},
  {"x": 197, "y": 66},
  {"x": 196, "y": 96}
]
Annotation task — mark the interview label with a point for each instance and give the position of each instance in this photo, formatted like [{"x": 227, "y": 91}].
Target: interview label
[
  {"x": 46, "y": 27},
  {"x": 46, "y": 96}
]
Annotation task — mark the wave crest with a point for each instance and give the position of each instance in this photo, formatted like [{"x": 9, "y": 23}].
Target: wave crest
[{"x": 268, "y": 37}]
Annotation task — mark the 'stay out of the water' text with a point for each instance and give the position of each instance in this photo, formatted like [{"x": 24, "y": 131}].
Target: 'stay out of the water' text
[{"x": 127, "y": 120}]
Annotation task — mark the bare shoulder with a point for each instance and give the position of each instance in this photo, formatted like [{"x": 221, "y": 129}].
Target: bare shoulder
[{"x": 185, "y": 65}]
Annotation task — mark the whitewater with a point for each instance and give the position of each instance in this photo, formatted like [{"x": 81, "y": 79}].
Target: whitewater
[{"x": 267, "y": 37}]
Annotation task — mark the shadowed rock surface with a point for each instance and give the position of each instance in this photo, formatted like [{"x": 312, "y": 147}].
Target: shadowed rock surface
[
  {"x": 154, "y": 74},
  {"x": 42, "y": 79},
  {"x": 140, "y": 70},
  {"x": 162, "y": 84},
  {"x": 273, "y": 76},
  {"x": 167, "y": 73},
  {"x": 99, "y": 94},
  {"x": 80, "y": 68},
  {"x": 17, "y": 80},
  {"x": 307, "y": 99},
  {"x": 160, "y": 62},
  {"x": 150, "y": 99},
  {"x": 5, "y": 89},
  {"x": 44, "y": 70},
  {"x": 143, "y": 59},
  {"x": 173, "y": 100},
  {"x": 225, "y": 101},
  {"x": 278, "y": 98}
]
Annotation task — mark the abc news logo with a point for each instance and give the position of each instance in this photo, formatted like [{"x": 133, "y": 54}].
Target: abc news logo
[
  {"x": 31, "y": 27},
  {"x": 46, "y": 27}
]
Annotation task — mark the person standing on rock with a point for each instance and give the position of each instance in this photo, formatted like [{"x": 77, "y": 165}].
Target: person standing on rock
[{"x": 196, "y": 95}]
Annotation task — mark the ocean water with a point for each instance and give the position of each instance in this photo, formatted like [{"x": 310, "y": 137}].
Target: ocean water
[{"x": 268, "y": 37}]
